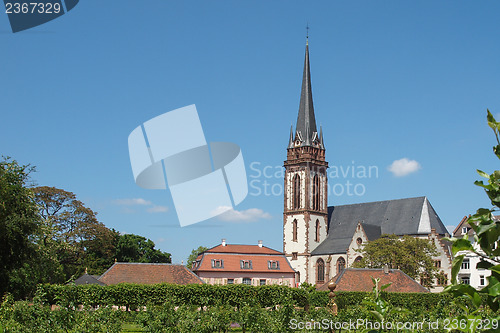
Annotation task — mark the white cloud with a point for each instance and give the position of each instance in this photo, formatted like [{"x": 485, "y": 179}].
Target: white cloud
[
  {"x": 132, "y": 202},
  {"x": 248, "y": 215},
  {"x": 157, "y": 209},
  {"x": 403, "y": 167}
]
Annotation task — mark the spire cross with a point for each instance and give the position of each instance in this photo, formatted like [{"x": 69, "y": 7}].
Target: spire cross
[{"x": 307, "y": 30}]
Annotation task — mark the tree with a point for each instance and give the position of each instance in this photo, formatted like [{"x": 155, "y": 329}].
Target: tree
[
  {"x": 194, "y": 254},
  {"x": 19, "y": 218},
  {"x": 487, "y": 234},
  {"x": 73, "y": 232},
  {"x": 135, "y": 248},
  {"x": 412, "y": 255}
]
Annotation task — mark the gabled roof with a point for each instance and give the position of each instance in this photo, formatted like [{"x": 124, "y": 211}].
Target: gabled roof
[
  {"x": 360, "y": 279},
  {"x": 412, "y": 216},
  {"x": 145, "y": 273},
  {"x": 231, "y": 262},
  {"x": 88, "y": 279},
  {"x": 243, "y": 249}
]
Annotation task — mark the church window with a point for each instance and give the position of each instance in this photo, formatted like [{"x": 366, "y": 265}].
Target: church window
[
  {"x": 358, "y": 259},
  {"x": 294, "y": 235},
  {"x": 320, "y": 267},
  {"x": 296, "y": 192},
  {"x": 295, "y": 255},
  {"x": 317, "y": 230},
  {"x": 359, "y": 241},
  {"x": 437, "y": 263},
  {"x": 340, "y": 264},
  {"x": 315, "y": 193}
]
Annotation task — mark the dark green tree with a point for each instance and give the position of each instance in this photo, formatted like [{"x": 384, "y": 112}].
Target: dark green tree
[
  {"x": 194, "y": 254},
  {"x": 135, "y": 248},
  {"x": 19, "y": 219},
  {"x": 412, "y": 255}
]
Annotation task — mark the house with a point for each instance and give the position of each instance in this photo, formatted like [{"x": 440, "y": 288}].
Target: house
[
  {"x": 141, "y": 273},
  {"x": 360, "y": 279},
  {"x": 469, "y": 273},
  {"x": 321, "y": 240},
  {"x": 244, "y": 264}
]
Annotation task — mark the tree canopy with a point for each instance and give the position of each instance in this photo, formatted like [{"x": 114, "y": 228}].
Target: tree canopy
[
  {"x": 194, "y": 254},
  {"x": 412, "y": 255}
]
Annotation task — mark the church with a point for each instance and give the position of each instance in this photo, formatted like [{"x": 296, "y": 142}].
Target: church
[{"x": 320, "y": 241}]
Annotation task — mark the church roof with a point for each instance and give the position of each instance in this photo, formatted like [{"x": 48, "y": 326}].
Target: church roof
[
  {"x": 88, "y": 279},
  {"x": 306, "y": 122},
  {"x": 412, "y": 216}
]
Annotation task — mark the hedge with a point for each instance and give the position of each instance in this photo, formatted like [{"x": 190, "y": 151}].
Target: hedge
[{"x": 134, "y": 296}]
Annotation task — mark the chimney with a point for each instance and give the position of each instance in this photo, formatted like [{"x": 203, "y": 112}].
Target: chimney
[
  {"x": 223, "y": 242},
  {"x": 260, "y": 243},
  {"x": 386, "y": 269}
]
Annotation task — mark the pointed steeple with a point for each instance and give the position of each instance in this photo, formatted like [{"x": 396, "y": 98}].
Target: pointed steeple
[
  {"x": 321, "y": 143},
  {"x": 290, "y": 143},
  {"x": 306, "y": 122}
]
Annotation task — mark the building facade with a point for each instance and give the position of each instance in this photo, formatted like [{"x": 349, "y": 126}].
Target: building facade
[
  {"x": 254, "y": 265},
  {"x": 320, "y": 241}
]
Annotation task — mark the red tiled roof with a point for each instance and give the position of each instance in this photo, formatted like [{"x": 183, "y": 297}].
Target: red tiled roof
[
  {"x": 231, "y": 262},
  {"x": 143, "y": 273},
  {"x": 244, "y": 249},
  {"x": 359, "y": 279}
]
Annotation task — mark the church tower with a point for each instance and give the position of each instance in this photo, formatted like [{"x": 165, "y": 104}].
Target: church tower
[{"x": 305, "y": 214}]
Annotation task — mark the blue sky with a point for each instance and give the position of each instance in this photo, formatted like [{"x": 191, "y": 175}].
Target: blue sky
[{"x": 391, "y": 80}]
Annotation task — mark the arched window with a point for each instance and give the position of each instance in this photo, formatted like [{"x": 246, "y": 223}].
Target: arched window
[
  {"x": 315, "y": 193},
  {"x": 320, "y": 268},
  {"x": 296, "y": 192},
  {"x": 317, "y": 230},
  {"x": 294, "y": 235},
  {"x": 340, "y": 264},
  {"x": 358, "y": 259}
]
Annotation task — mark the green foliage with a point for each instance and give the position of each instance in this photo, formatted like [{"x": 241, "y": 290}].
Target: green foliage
[
  {"x": 487, "y": 234},
  {"x": 412, "y": 255},
  {"x": 134, "y": 248},
  {"x": 194, "y": 254},
  {"x": 19, "y": 219}
]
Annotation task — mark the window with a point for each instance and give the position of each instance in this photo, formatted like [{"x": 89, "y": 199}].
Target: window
[
  {"x": 296, "y": 192},
  {"x": 465, "y": 280},
  {"x": 315, "y": 193},
  {"x": 317, "y": 230},
  {"x": 481, "y": 280},
  {"x": 273, "y": 264},
  {"x": 262, "y": 282},
  {"x": 424, "y": 279},
  {"x": 359, "y": 241},
  {"x": 246, "y": 264},
  {"x": 217, "y": 263},
  {"x": 465, "y": 230},
  {"x": 442, "y": 279},
  {"x": 340, "y": 264},
  {"x": 294, "y": 236},
  {"x": 230, "y": 281},
  {"x": 437, "y": 263},
  {"x": 465, "y": 264},
  {"x": 358, "y": 259},
  {"x": 247, "y": 281},
  {"x": 295, "y": 255},
  {"x": 320, "y": 268}
]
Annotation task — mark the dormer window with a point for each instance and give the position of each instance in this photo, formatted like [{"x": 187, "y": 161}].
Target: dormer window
[
  {"x": 273, "y": 264},
  {"x": 465, "y": 230},
  {"x": 246, "y": 264},
  {"x": 217, "y": 263}
]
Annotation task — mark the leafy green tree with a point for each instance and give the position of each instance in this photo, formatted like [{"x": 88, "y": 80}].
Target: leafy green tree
[
  {"x": 73, "y": 233},
  {"x": 135, "y": 248},
  {"x": 412, "y": 255},
  {"x": 194, "y": 254},
  {"x": 19, "y": 219},
  {"x": 487, "y": 234}
]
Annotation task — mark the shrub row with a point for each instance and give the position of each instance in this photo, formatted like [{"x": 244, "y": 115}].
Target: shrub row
[{"x": 135, "y": 296}]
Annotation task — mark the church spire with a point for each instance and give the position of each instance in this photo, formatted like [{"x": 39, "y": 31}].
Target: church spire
[{"x": 306, "y": 122}]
